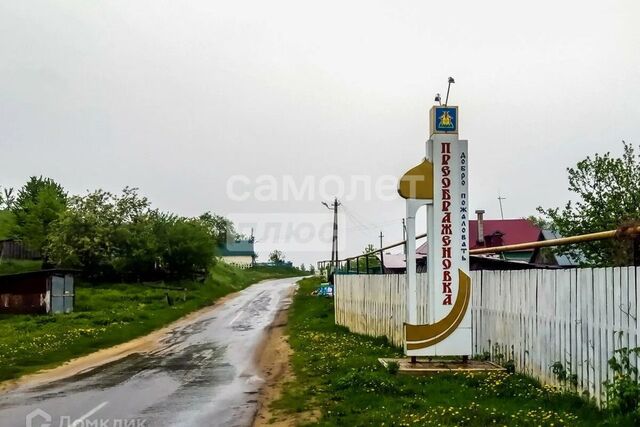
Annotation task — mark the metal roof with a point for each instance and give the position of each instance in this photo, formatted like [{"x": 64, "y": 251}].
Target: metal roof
[
  {"x": 562, "y": 260},
  {"x": 513, "y": 231},
  {"x": 237, "y": 248}
]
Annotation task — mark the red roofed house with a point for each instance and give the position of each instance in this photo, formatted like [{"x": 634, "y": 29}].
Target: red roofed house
[{"x": 485, "y": 233}]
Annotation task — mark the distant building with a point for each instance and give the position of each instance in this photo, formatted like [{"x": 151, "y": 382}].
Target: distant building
[
  {"x": 489, "y": 233},
  {"x": 240, "y": 253},
  {"x": 502, "y": 232},
  {"x": 396, "y": 263},
  {"x": 546, "y": 255},
  {"x": 288, "y": 264}
]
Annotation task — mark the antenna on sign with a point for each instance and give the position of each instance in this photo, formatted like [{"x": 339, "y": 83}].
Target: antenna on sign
[
  {"x": 451, "y": 80},
  {"x": 438, "y": 99},
  {"x": 500, "y": 199}
]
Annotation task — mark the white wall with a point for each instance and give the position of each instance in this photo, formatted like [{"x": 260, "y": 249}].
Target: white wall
[{"x": 242, "y": 261}]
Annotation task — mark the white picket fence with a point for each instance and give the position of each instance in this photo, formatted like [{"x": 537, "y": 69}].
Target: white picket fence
[{"x": 535, "y": 317}]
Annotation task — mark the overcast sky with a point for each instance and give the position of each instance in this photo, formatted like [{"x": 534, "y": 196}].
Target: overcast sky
[{"x": 176, "y": 97}]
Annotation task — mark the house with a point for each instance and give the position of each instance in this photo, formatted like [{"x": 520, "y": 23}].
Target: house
[
  {"x": 396, "y": 263},
  {"x": 240, "y": 253},
  {"x": 486, "y": 233},
  {"x": 503, "y": 232},
  {"x": 33, "y": 292},
  {"x": 546, "y": 256}
]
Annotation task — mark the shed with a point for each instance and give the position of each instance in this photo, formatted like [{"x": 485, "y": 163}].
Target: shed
[{"x": 33, "y": 292}]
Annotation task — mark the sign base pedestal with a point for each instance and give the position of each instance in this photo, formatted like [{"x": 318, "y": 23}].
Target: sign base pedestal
[{"x": 433, "y": 366}]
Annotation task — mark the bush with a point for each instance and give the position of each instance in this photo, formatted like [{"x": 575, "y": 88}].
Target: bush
[{"x": 623, "y": 391}]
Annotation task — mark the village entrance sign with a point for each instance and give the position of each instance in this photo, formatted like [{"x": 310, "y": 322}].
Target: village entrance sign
[{"x": 440, "y": 183}]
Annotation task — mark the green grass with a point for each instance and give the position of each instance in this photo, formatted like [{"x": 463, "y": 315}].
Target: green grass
[
  {"x": 6, "y": 224},
  {"x": 338, "y": 373},
  {"x": 110, "y": 314},
  {"x": 10, "y": 266}
]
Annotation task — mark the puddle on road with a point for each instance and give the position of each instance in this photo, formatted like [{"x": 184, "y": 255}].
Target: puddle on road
[{"x": 189, "y": 370}]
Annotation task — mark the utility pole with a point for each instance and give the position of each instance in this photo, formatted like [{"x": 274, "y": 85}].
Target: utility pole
[
  {"x": 404, "y": 236},
  {"x": 500, "y": 199},
  {"x": 334, "y": 243},
  {"x": 381, "y": 254}
]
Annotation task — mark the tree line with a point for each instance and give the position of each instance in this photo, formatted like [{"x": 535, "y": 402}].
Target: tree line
[
  {"x": 121, "y": 236},
  {"x": 112, "y": 236}
]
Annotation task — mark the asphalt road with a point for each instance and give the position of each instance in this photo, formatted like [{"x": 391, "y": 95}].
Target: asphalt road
[{"x": 202, "y": 374}]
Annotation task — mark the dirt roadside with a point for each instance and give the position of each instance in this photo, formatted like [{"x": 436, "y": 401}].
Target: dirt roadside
[
  {"x": 274, "y": 362},
  {"x": 138, "y": 345}
]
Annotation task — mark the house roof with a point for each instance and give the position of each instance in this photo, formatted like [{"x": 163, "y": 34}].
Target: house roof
[
  {"x": 398, "y": 262},
  {"x": 562, "y": 260},
  {"x": 395, "y": 261},
  {"x": 422, "y": 249},
  {"x": 5, "y": 278},
  {"x": 513, "y": 231},
  {"x": 237, "y": 248}
]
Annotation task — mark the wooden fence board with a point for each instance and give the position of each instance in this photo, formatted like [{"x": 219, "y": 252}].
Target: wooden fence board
[{"x": 537, "y": 317}]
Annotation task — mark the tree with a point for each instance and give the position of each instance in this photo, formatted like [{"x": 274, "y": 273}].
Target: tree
[
  {"x": 219, "y": 227},
  {"x": 276, "y": 257},
  {"x": 539, "y": 222},
  {"x": 6, "y": 198},
  {"x": 607, "y": 193},
  {"x": 373, "y": 261},
  {"x": 187, "y": 248},
  {"x": 120, "y": 236},
  {"x": 90, "y": 233},
  {"x": 39, "y": 203},
  {"x": 29, "y": 192},
  {"x": 312, "y": 269}
]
